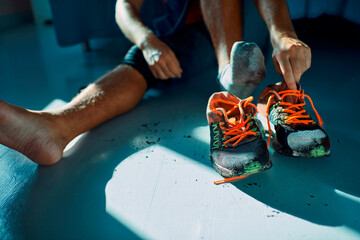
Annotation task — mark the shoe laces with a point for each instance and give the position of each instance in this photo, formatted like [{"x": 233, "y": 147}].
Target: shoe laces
[
  {"x": 296, "y": 111},
  {"x": 236, "y": 130}
]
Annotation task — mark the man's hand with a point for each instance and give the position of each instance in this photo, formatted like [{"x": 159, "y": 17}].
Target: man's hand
[
  {"x": 160, "y": 58},
  {"x": 291, "y": 58}
]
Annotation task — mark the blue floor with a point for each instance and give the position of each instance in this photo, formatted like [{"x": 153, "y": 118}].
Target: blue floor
[{"x": 147, "y": 174}]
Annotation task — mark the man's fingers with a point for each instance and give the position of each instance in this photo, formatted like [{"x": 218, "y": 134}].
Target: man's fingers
[
  {"x": 171, "y": 66},
  {"x": 287, "y": 73},
  {"x": 160, "y": 71},
  {"x": 167, "y": 64},
  {"x": 157, "y": 72},
  {"x": 307, "y": 53},
  {"x": 297, "y": 65},
  {"x": 154, "y": 73},
  {"x": 175, "y": 62},
  {"x": 161, "y": 59},
  {"x": 166, "y": 70},
  {"x": 161, "y": 74},
  {"x": 293, "y": 58},
  {"x": 277, "y": 66},
  {"x": 300, "y": 62},
  {"x": 308, "y": 58}
]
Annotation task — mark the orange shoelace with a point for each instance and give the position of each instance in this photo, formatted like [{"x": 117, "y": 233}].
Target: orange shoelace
[
  {"x": 297, "y": 113},
  {"x": 229, "y": 180},
  {"x": 237, "y": 130}
]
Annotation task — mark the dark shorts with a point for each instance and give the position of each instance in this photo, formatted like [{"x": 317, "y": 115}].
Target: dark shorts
[{"x": 192, "y": 46}]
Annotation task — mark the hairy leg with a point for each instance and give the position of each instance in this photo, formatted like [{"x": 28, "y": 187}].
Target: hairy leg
[
  {"x": 43, "y": 135},
  {"x": 241, "y": 64},
  {"x": 225, "y": 24}
]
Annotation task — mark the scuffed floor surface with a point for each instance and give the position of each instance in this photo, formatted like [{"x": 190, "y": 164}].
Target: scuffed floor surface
[{"x": 147, "y": 174}]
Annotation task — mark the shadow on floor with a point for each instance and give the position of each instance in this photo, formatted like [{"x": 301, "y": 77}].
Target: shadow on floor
[
  {"x": 68, "y": 200},
  {"x": 323, "y": 191},
  {"x": 315, "y": 190}
]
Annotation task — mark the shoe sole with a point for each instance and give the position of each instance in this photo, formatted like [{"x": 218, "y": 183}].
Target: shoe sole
[
  {"x": 249, "y": 169},
  {"x": 317, "y": 152}
]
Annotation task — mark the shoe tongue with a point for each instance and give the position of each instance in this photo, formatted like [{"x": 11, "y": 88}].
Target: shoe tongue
[
  {"x": 216, "y": 118},
  {"x": 290, "y": 99},
  {"x": 232, "y": 117}
]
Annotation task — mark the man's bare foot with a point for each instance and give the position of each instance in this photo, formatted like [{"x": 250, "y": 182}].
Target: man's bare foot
[{"x": 31, "y": 133}]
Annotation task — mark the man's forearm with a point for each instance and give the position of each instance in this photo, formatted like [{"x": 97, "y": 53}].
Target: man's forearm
[
  {"x": 276, "y": 16},
  {"x": 291, "y": 56},
  {"x": 129, "y": 21}
]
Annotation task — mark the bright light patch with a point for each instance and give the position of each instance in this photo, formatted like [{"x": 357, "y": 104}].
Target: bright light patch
[
  {"x": 348, "y": 196},
  {"x": 202, "y": 134},
  {"x": 70, "y": 147},
  {"x": 158, "y": 193}
]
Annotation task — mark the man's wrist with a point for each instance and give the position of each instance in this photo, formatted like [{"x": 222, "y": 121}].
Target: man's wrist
[
  {"x": 276, "y": 36},
  {"x": 144, "y": 38}
]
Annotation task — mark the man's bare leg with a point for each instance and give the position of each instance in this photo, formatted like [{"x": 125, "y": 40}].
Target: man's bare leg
[
  {"x": 241, "y": 64},
  {"x": 43, "y": 135},
  {"x": 224, "y": 22}
]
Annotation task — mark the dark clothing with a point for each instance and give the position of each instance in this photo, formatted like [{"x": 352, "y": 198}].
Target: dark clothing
[
  {"x": 176, "y": 14},
  {"x": 192, "y": 46}
]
